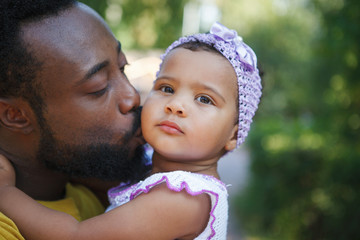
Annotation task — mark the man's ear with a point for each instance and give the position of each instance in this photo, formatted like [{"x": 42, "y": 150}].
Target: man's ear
[
  {"x": 14, "y": 117},
  {"x": 231, "y": 143}
]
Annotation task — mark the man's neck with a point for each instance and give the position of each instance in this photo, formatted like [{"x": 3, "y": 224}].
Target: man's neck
[
  {"x": 41, "y": 184},
  {"x": 32, "y": 177}
]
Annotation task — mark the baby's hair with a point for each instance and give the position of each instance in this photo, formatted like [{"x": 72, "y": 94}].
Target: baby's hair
[{"x": 197, "y": 45}]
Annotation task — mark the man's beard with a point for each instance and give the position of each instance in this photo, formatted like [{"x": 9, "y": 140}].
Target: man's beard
[{"x": 99, "y": 160}]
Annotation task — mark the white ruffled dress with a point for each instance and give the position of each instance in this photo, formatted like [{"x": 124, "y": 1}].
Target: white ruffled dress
[{"x": 194, "y": 184}]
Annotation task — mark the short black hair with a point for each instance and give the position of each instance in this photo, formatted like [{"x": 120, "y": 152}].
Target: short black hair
[{"x": 18, "y": 66}]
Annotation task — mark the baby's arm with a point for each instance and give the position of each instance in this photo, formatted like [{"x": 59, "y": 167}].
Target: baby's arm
[
  {"x": 160, "y": 214},
  {"x": 24, "y": 211}
]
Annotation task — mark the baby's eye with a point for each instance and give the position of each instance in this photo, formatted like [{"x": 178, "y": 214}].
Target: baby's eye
[
  {"x": 167, "y": 89},
  {"x": 205, "y": 100}
]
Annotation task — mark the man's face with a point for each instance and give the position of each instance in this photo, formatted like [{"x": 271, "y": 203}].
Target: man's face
[{"x": 90, "y": 117}]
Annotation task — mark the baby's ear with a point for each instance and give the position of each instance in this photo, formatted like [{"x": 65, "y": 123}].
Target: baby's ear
[{"x": 231, "y": 143}]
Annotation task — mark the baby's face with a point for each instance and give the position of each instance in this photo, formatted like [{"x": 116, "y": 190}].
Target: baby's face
[{"x": 191, "y": 111}]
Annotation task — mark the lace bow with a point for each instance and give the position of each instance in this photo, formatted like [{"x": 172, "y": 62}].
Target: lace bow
[{"x": 228, "y": 35}]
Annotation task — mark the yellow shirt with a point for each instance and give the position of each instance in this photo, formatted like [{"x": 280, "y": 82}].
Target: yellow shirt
[{"x": 79, "y": 202}]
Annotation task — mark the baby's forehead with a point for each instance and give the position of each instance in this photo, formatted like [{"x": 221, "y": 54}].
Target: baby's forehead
[
  {"x": 206, "y": 55},
  {"x": 203, "y": 51},
  {"x": 203, "y": 67},
  {"x": 189, "y": 56}
]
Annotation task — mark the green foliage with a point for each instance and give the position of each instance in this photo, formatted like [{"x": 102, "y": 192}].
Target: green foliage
[
  {"x": 142, "y": 24},
  {"x": 305, "y": 141},
  {"x": 150, "y": 23},
  {"x": 154, "y": 23}
]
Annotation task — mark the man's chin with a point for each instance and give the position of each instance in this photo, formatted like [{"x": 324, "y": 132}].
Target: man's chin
[
  {"x": 103, "y": 161},
  {"x": 123, "y": 161}
]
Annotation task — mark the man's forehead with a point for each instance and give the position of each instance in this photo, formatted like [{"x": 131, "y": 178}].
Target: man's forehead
[
  {"x": 75, "y": 23},
  {"x": 75, "y": 33},
  {"x": 69, "y": 44}
]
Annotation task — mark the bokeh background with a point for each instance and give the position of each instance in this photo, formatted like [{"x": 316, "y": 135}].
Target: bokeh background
[{"x": 298, "y": 174}]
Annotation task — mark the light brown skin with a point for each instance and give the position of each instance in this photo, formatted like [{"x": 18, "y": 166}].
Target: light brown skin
[{"x": 74, "y": 115}]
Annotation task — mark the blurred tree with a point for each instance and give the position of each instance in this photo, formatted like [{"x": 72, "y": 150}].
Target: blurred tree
[
  {"x": 305, "y": 142},
  {"x": 142, "y": 24},
  {"x": 150, "y": 24}
]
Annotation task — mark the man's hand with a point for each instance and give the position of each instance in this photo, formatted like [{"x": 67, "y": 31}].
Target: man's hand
[{"x": 7, "y": 173}]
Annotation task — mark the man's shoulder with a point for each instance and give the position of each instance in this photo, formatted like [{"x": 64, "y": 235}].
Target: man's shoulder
[
  {"x": 8, "y": 229},
  {"x": 86, "y": 201},
  {"x": 78, "y": 202}
]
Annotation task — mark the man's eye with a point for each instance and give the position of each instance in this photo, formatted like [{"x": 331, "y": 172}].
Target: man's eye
[
  {"x": 167, "y": 89},
  {"x": 100, "y": 92},
  {"x": 205, "y": 100}
]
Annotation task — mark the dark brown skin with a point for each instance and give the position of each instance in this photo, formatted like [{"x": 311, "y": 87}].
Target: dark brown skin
[{"x": 73, "y": 113}]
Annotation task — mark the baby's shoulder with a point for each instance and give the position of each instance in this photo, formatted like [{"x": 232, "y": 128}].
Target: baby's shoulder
[{"x": 177, "y": 181}]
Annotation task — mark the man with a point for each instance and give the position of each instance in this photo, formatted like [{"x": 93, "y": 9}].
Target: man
[{"x": 66, "y": 106}]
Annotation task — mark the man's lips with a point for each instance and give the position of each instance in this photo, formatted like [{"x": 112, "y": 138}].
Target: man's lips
[{"x": 170, "y": 127}]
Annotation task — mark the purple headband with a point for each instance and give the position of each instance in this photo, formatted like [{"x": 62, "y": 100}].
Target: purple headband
[{"x": 244, "y": 62}]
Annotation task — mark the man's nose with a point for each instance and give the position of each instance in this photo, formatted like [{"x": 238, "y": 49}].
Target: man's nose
[{"x": 128, "y": 98}]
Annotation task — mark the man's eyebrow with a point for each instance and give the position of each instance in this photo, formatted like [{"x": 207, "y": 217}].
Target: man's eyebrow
[{"x": 96, "y": 68}]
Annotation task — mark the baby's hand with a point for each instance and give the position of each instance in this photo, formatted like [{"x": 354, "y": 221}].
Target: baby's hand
[{"x": 7, "y": 173}]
